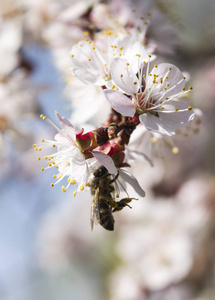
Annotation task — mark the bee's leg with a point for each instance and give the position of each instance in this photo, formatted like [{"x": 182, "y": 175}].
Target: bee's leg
[
  {"x": 119, "y": 205},
  {"x": 114, "y": 179}
]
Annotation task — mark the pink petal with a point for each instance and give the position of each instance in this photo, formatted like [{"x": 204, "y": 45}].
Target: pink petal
[{"x": 120, "y": 103}]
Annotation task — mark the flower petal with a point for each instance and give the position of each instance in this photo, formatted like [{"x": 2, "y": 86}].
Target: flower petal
[
  {"x": 153, "y": 123},
  {"x": 124, "y": 76},
  {"x": 105, "y": 160},
  {"x": 66, "y": 126},
  {"x": 130, "y": 179},
  {"x": 120, "y": 103}
]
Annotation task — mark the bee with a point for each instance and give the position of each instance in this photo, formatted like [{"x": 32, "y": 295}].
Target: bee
[{"x": 103, "y": 204}]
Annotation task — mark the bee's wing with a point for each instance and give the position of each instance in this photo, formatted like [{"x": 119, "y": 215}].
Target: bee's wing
[{"x": 95, "y": 217}]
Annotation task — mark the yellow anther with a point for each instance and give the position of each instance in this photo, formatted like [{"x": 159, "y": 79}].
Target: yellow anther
[
  {"x": 166, "y": 77},
  {"x": 176, "y": 109},
  {"x": 45, "y": 157},
  {"x": 121, "y": 48},
  {"x": 44, "y": 118},
  {"x": 56, "y": 167},
  {"x": 184, "y": 77},
  {"x": 105, "y": 65},
  {"x": 89, "y": 59},
  {"x": 59, "y": 176},
  {"x": 33, "y": 145},
  {"x": 113, "y": 86},
  {"x": 53, "y": 145},
  {"x": 93, "y": 48},
  {"x": 165, "y": 89},
  {"x": 145, "y": 23},
  {"x": 67, "y": 164},
  {"x": 72, "y": 181},
  {"x": 149, "y": 54},
  {"x": 154, "y": 140},
  {"x": 72, "y": 55},
  {"x": 135, "y": 82},
  {"x": 150, "y": 74},
  {"x": 74, "y": 193},
  {"x": 50, "y": 165},
  {"x": 161, "y": 80},
  {"x": 127, "y": 64},
  {"x": 175, "y": 150},
  {"x": 88, "y": 184},
  {"x": 80, "y": 45},
  {"x": 144, "y": 76},
  {"x": 81, "y": 187},
  {"x": 63, "y": 189},
  {"x": 162, "y": 107},
  {"x": 41, "y": 116},
  {"x": 39, "y": 149},
  {"x": 170, "y": 69},
  {"x": 39, "y": 158},
  {"x": 183, "y": 89},
  {"x": 42, "y": 169},
  {"x": 35, "y": 148},
  {"x": 190, "y": 88},
  {"x": 117, "y": 196},
  {"x": 43, "y": 140},
  {"x": 54, "y": 176},
  {"x": 155, "y": 66},
  {"x": 121, "y": 75},
  {"x": 86, "y": 33},
  {"x": 161, "y": 102},
  {"x": 52, "y": 184},
  {"x": 86, "y": 40},
  {"x": 166, "y": 98},
  {"x": 90, "y": 42},
  {"x": 189, "y": 108},
  {"x": 167, "y": 84}
]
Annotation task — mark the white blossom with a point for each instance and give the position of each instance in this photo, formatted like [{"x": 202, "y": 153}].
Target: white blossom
[{"x": 154, "y": 96}]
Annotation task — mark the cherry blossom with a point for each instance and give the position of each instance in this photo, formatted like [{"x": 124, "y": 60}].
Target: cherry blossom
[
  {"x": 153, "y": 96},
  {"x": 70, "y": 159}
]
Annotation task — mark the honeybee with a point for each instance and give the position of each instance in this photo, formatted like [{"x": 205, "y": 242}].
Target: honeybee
[{"x": 103, "y": 204}]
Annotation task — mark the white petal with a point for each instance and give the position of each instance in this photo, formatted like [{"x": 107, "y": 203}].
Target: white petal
[
  {"x": 172, "y": 80},
  {"x": 87, "y": 76},
  {"x": 178, "y": 118},
  {"x": 153, "y": 123},
  {"x": 120, "y": 103},
  {"x": 105, "y": 160},
  {"x": 124, "y": 76},
  {"x": 130, "y": 179},
  {"x": 66, "y": 126}
]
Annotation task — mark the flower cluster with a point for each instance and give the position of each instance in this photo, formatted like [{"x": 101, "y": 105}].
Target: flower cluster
[{"x": 118, "y": 88}]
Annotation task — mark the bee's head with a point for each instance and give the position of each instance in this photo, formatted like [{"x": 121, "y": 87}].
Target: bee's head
[{"x": 100, "y": 172}]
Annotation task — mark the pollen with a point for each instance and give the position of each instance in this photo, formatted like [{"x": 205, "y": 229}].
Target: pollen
[
  {"x": 135, "y": 82},
  {"x": 113, "y": 86},
  {"x": 74, "y": 193},
  {"x": 54, "y": 176},
  {"x": 44, "y": 118},
  {"x": 72, "y": 181},
  {"x": 81, "y": 187},
  {"x": 121, "y": 75},
  {"x": 144, "y": 76},
  {"x": 43, "y": 140},
  {"x": 176, "y": 109},
  {"x": 189, "y": 108},
  {"x": 162, "y": 107},
  {"x": 183, "y": 89},
  {"x": 89, "y": 59},
  {"x": 93, "y": 48},
  {"x": 149, "y": 54},
  {"x": 72, "y": 55},
  {"x": 184, "y": 77},
  {"x": 41, "y": 116},
  {"x": 155, "y": 66},
  {"x": 170, "y": 69},
  {"x": 121, "y": 48},
  {"x": 53, "y": 145},
  {"x": 63, "y": 189},
  {"x": 39, "y": 158},
  {"x": 52, "y": 184},
  {"x": 33, "y": 145},
  {"x": 42, "y": 169},
  {"x": 127, "y": 64},
  {"x": 190, "y": 88},
  {"x": 88, "y": 184},
  {"x": 175, "y": 150}
]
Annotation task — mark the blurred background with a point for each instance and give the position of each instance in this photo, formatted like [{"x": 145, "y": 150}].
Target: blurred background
[{"x": 162, "y": 249}]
